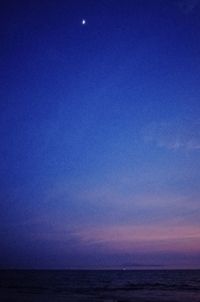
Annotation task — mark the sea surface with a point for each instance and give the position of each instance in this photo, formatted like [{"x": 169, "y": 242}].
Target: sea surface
[{"x": 100, "y": 285}]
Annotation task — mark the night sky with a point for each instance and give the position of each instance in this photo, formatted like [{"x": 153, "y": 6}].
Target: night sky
[{"x": 99, "y": 133}]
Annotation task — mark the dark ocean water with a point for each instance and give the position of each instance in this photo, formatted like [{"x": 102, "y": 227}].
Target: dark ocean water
[{"x": 103, "y": 285}]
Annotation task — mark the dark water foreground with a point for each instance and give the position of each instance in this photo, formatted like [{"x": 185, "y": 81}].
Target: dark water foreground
[{"x": 107, "y": 286}]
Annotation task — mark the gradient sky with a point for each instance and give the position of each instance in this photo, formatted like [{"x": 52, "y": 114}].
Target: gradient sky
[{"x": 99, "y": 133}]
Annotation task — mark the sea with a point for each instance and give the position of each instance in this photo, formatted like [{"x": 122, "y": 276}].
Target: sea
[{"x": 100, "y": 285}]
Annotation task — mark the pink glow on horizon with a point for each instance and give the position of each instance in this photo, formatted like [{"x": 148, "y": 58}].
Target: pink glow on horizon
[{"x": 137, "y": 238}]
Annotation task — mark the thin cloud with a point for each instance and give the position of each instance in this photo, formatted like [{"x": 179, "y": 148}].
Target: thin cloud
[
  {"x": 188, "y": 6},
  {"x": 174, "y": 135}
]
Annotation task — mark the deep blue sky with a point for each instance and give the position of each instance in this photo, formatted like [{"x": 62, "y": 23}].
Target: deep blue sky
[{"x": 100, "y": 133}]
